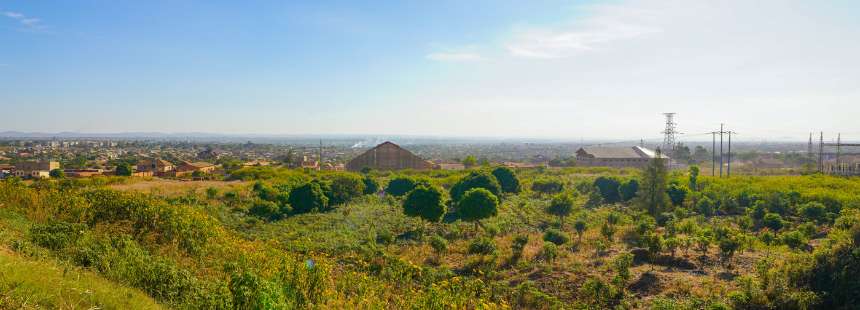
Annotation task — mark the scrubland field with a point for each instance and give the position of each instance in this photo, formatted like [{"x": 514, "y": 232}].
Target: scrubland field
[{"x": 485, "y": 238}]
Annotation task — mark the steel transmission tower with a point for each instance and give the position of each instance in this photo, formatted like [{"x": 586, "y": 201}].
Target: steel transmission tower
[{"x": 669, "y": 138}]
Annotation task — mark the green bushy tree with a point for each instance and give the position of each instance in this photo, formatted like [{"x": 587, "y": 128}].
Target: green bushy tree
[
  {"x": 508, "y": 179},
  {"x": 426, "y": 203},
  {"x": 477, "y": 204},
  {"x": 561, "y": 206},
  {"x": 475, "y": 179}
]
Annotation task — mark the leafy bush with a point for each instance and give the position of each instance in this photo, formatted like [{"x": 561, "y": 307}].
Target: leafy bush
[
  {"x": 547, "y": 186},
  {"x": 439, "y": 244},
  {"x": 308, "y": 198},
  {"x": 549, "y": 252},
  {"x": 56, "y": 235},
  {"x": 608, "y": 188},
  {"x": 815, "y": 211},
  {"x": 556, "y": 236},
  {"x": 345, "y": 187},
  {"x": 482, "y": 246},
  {"x": 267, "y": 210}
]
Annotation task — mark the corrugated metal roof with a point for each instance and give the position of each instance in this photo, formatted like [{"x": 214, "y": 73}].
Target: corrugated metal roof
[{"x": 635, "y": 152}]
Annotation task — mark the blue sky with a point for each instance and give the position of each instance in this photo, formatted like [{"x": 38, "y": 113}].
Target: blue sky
[{"x": 451, "y": 68}]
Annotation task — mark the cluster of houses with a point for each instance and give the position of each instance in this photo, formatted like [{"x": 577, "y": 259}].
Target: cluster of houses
[
  {"x": 162, "y": 168},
  {"x": 146, "y": 167}
]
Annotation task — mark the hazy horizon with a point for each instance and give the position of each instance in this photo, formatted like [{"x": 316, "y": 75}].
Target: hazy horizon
[{"x": 547, "y": 69}]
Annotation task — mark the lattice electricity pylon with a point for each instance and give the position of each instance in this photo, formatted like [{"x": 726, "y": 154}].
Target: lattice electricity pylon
[{"x": 669, "y": 134}]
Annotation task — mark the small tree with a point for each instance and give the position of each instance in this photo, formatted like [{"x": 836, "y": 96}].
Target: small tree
[
  {"x": 607, "y": 231},
  {"x": 694, "y": 178},
  {"x": 549, "y": 252},
  {"x": 517, "y": 247},
  {"x": 123, "y": 169},
  {"x": 508, "y": 180},
  {"x": 477, "y": 204},
  {"x": 57, "y": 173},
  {"x": 773, "y": 221},
  {"x": 308, "y": 198},
  {"x": 470, "y": 161},
  {"x": 561, "y": 206},
  {"x": 475, "y": 179},
  {"x": 671, "y": 244},
  {"x": 705, "y": 206},
  {"x": 728, "y": 246},
  {"x": 652, "y": 192},
  {"x": 424, "y": 202},
  {"x": 622, "y": 264},
  {"x": 439, "y": 245},
  {"x": 580, "y": 226}
]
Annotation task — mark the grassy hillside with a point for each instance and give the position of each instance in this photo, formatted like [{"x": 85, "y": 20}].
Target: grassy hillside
[
  {"x": 31, "y": 279},
  {"x": 306, "y": 239}
]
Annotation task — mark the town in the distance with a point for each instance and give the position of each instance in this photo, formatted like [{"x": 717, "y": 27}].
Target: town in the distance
[{"x": 212, "y": 159}]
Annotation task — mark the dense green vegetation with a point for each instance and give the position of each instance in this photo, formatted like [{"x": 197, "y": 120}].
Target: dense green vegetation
[{"x": 483, "y": 238}]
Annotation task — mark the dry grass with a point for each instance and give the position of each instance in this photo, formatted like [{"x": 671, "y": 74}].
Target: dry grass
[{"x": 166, "y": 187}]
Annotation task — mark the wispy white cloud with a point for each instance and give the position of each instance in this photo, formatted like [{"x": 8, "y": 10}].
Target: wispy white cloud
[
  {"x": 455, "y": 56},
  {"x": 603, "y": 25},
  {"x": 27, "y": 22}
]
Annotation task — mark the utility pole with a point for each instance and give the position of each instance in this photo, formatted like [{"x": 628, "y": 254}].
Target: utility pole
[
  {"x": 319, "y": 165},
  {"x": 729, "y": 168},
  {"x": 713, "y": 153},
  {"x": 721, "y": 150},
  {"x": 809, "y": 148},
  {"x": 821, "y": 152},
  {"x": 838, "y": 148}
]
